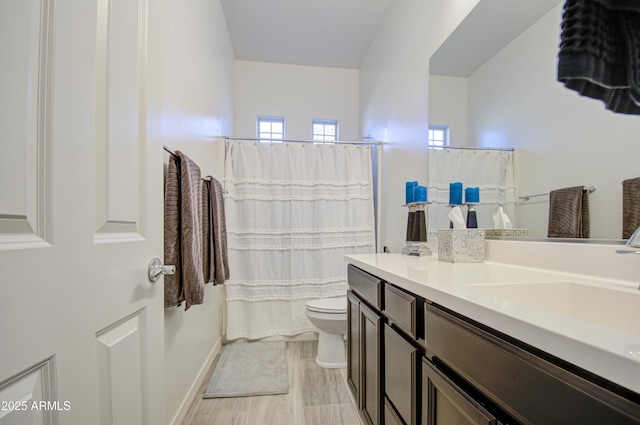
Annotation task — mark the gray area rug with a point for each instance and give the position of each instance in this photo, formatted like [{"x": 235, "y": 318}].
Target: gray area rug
[{"x": 250, "y": 369}]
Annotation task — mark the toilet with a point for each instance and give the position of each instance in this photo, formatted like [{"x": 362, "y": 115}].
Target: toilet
[{"x": 329, "y": 315}]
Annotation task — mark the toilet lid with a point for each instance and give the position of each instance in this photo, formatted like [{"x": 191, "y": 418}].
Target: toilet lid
[{"x": 328, "y": 305}]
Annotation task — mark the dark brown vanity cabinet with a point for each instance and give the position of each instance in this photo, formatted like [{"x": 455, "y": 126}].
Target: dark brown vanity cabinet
[
  {"x": 364, "y": 365},
  {"x": 404, "y": 310},
  {"x": 412, "y": 362},
  {"x": 445, "y": 403},
  {"x": 384, "y": 358},
  {"x": 517, "y": 383},
  {"x": 401, "y": 377},
  {"x": 402, "y": 355},
  {"x": 371, "y": 364},
  {"x": 353, "y": 344},
  {"x": 364, "y": 344}
]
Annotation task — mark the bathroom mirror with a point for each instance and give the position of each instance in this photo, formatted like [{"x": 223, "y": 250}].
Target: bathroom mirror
[{"x": 493, "y": 81}]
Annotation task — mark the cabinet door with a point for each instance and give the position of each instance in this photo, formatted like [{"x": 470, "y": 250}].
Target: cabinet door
[
  {"x": 402, "y": 375},
  {"x": 371, "y": 365},
  {"x": 353, "y": 345},
  {"x": 445, "y": 403},
  {"x": 390, "y": 416}
]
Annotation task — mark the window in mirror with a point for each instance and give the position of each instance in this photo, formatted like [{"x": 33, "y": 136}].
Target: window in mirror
[
  {"x": 438, "y": 135},
  {"x": 270, "y": 129}
]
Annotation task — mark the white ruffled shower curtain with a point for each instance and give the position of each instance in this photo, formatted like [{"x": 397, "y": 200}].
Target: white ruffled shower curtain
[
  {"x": 490, "y": 170},
  {"x": 293, "y": 212}
]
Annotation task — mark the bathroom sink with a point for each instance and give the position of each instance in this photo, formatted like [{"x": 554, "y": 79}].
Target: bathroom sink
[{"x": 610, "y": 307}]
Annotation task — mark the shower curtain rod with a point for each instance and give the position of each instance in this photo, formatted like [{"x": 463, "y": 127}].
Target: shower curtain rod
[
  {"x": 337, "y": 142},
  {"x": 472, "y": 148}
]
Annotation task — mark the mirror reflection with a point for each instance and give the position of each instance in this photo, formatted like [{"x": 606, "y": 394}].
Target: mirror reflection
[{"x": 507, "y": 95}]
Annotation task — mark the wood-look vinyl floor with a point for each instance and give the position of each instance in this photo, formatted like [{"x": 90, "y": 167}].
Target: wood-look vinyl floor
[{"x": 317, "y": 396}]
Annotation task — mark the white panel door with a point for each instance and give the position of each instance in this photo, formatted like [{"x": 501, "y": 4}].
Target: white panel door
[{"x": 81, "y": 325}]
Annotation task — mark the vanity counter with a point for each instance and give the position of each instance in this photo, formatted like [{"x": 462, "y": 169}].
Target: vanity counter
[{"x": 502, "y": 297}]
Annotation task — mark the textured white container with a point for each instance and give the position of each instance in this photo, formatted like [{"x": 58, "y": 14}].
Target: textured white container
[
  {"x": 461, "y": 245},
  {"x": 498, "y": 234}
]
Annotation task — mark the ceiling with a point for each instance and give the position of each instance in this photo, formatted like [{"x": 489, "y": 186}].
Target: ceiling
[
  {"x": 472, "y": 44},
  {"x": 330, "y": 33},
  {"x": 338, "y": 33}
]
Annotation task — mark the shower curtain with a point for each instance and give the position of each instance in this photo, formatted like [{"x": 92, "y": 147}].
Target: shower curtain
[
  {"x": 293, "y": 212},
  {"x": 491, "y": 171}
]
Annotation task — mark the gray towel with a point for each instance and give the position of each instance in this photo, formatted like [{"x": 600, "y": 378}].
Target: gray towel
[
  {"x": 630, "y": 206},
  {"x": 207, "y": 234},
  {"x": 568, "y": 213},
  {"x": 182, "y": 232},
  {"x": 219, "y": 232},
  {"x": 191, "y": 231},
  {"x": 173, "y": 295}
]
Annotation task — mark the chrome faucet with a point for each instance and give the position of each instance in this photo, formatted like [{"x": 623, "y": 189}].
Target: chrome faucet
[{"x": 633, "y": 242}]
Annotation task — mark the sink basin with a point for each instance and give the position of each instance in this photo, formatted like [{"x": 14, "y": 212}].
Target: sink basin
[{"x": 609, "y": 307}]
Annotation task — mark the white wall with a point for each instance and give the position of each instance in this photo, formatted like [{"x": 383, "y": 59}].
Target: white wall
[
  {"x": 448, "y": 104},
  {"x": 299, "y": 93},
  {"x": 198, "y": 95},
  {"x": 561, "y": 138},
  {"x": 394, "y": 90}
]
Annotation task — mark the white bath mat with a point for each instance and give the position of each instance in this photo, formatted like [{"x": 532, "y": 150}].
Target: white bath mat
[{"x": 250, "y": 369}]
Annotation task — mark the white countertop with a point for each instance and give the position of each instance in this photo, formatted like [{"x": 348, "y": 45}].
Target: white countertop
[{"x": 610, "y": 350}]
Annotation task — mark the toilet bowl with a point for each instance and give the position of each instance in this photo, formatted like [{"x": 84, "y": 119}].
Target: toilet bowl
[{"x": 329, "y": 315}]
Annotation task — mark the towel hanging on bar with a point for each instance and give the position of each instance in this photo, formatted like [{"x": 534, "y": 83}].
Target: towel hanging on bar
[
  {"x": 598, "y": 55},
  {"x": 568, "y": 213},
  {"x": 214, "y": 228},
  {"x": 183, "y": 232},
  {"x": 630, "y": 206},
  {"x": 175, "y": 155}
]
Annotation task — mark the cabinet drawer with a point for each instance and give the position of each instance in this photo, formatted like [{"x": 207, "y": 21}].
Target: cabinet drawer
[
  {"x": 402, "y": 375},
  {"x": 366, "y": 285},
  {"x": 402, "y": 309},
  {"x": 528, "y": 387}
]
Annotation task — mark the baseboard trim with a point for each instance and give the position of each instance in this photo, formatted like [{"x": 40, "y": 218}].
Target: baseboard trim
[
  {"x": 194, "y": 390},
  {"x": 307, "y": 336}
]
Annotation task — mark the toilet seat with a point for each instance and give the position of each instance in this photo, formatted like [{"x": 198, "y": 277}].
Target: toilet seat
[{"x": 336, "y": 305}]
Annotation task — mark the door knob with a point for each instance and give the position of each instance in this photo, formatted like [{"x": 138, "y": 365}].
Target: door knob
[{"x": 156, "y": 269}]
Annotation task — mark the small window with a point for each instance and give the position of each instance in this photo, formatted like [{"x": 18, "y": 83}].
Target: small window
[
  {"x": 438, "y": 135},
  {"x": 325, "y": 130},
  {"x": 270, "y": 129}
]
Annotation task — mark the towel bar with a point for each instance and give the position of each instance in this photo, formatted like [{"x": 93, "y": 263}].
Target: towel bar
[{"x": 525, "y": 198}]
